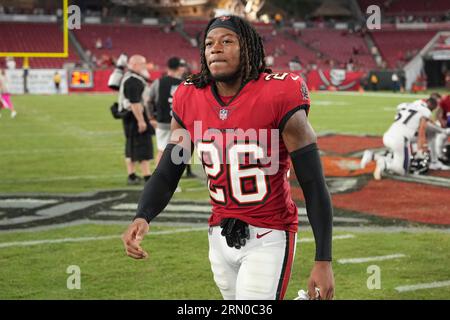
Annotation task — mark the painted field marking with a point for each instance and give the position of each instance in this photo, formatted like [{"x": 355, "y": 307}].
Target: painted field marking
[
  {"x": 184, "y": 207},
  {"x": 339, "y": 219},
  {"x": 27, "y": 203},
  {"x": 115, "y": 148},
  {"x": 340, "y": 237},
  {"x": 61, "y": 178},
  {"x": 420, "y": 286},
  {"x": 84, "y": 239},
  {"x": 371, "y": 94},
  {"x": 369, "y": 259}
]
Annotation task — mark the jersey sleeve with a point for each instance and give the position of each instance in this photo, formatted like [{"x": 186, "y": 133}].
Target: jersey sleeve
[
  {"x": 178, "y": 105},
  {"x": 133, "y": 89},
  {"x": 294, "y": 96},
  {"x": 425, "y": 112},
  {"x": 153, "y": 93}
]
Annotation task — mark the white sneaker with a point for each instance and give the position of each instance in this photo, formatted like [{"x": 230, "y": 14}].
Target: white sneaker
[
  {"x": 438, "y": 165},
  {"x": 13, "y": 114},
  {"x": 366, "y": 158},
  {"x": 381, "y": 165}
]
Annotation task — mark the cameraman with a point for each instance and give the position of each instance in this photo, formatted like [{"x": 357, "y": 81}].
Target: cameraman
[{"x": 137, "y": 128}]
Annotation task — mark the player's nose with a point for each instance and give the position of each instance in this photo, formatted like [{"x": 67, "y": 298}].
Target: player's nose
[{"x": 216, "y": 47}]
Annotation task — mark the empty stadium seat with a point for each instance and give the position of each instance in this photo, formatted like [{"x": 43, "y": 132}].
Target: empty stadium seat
[{"x": 35, "y": 37}]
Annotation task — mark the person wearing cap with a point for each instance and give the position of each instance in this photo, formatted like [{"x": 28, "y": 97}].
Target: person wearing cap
[{"x": 160, "y": 102}]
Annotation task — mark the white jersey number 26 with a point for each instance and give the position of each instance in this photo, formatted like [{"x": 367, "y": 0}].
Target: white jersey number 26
[{"x": 237, "y": 174}]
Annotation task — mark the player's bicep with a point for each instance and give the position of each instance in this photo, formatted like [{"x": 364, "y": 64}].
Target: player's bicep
[{"x": 298, "y": 132}]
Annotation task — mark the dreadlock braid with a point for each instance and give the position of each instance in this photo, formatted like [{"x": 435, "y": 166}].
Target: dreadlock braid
[{"x": 252, "y": 62}]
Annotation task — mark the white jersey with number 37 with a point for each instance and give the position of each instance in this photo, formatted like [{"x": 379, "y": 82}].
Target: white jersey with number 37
[{"x": 407, "y": 119}]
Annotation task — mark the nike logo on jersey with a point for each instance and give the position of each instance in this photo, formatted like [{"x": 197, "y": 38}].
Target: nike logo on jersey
[
  {"x": 295, "y": 78},
  {"x": 258, "y": 236}
]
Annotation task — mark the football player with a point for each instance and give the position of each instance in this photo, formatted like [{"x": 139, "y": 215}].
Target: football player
[
  {"x": 252, "y": 234},
  {"x": 411, "y": 120},
  {"x": 438, "y": 134}
]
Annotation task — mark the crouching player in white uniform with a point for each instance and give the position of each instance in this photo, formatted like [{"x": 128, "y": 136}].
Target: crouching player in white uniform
[{"x": 411, "y": 119}]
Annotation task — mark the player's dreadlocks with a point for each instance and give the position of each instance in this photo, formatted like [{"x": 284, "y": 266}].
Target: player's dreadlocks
[{"x": 252, "y": 62}]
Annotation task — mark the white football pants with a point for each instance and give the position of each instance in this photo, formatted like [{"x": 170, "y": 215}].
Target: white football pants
[
  {"x": 436, "y": 143},
  {"x": 401, "y": 153},
  {"x": 260, "y": 270}
]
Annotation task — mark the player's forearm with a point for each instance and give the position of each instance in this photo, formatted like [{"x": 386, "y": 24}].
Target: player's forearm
[
  {"x": 434, "y": 128},
  {"x": 160, "y": 188},
  {"x": 421, "y": 138},
  {"x": 308, "y": 168},
  {"x": 441, "y": 118},
  {"x": 137, "y": 109}
]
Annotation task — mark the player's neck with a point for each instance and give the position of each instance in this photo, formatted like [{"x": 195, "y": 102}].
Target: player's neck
[{"x": 228, "y": 89}]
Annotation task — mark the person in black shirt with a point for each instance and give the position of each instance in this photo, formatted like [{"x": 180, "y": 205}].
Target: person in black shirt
[
  {"x": 161, "y": 92},
  {"x": 160, "y": 100},
  {"x": 137, "y": 127}
]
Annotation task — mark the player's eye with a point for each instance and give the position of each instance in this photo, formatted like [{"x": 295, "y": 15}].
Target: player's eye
[
  {"x": 207, "y": 44},
  {"x": 227, "y": 41}
]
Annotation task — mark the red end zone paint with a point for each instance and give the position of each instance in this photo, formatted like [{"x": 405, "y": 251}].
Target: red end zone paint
[
  {"x": 335, "y": 166},
  {"x": 388, "y": 198},
  {"x": 439, "y": 173},
  {"x": 397, "y": 199},
  {"x": 343, "y": 144}
]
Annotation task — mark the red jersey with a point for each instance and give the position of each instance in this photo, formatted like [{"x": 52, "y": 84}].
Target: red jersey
[
  {"x": 445, "y": 106},
  {"x": 240, "y": 146}
]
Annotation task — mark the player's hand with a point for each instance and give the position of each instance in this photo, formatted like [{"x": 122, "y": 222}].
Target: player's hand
[
  {"x": 322, "y": 278},
  {"x": 132, "y": 239},
  {"x": 142, "y": 126},
  {"x": 422, "y": 150}
]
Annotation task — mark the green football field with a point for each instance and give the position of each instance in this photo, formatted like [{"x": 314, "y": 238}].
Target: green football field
[{"x": 70, "y": 144}]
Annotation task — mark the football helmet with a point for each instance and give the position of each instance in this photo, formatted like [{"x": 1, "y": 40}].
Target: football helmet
[
  {"x": 420, "y": 163},
  {"x": 445, "y": 157}
]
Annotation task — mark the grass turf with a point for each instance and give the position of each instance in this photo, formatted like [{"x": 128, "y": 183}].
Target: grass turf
[{"x": 68, "y": 144}]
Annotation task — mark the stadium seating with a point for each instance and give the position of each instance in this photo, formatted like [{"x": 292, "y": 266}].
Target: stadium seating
[
  {"x": 35, "y": 37},
  {"x": 157, "y": 44},
  {"x": 395, "y": 45},
  {"x": 401, "y": 7},
  {"x": 151, "y": 41},
  {"x": 340, "y": 46}
]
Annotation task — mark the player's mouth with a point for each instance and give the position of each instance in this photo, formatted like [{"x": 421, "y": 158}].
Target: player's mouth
[{"x": 216, "y": 61}]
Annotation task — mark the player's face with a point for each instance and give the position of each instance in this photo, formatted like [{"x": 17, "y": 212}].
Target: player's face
[{"x": 222, "y": 52}]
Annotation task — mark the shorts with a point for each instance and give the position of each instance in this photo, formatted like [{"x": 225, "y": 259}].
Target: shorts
[
  {"x": 162, "y": 135},
  {"x": 139, "y": 147}
]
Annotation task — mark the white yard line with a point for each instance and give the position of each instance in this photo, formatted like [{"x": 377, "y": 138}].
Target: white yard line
[
  {"x": 340, "y": 237},
  {"x": 65, "y": 178},
  {"x": 420, "y": 286},
  {"x": 84, "y": 239},
  {"x": 370, "y": 259},
  {"x": 371, "y": 94}
]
